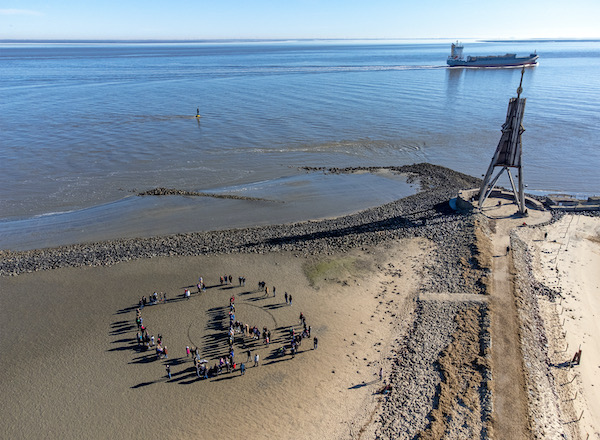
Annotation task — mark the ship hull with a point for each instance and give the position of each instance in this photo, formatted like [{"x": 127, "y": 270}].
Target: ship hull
[{"x": 499, "y": 62}]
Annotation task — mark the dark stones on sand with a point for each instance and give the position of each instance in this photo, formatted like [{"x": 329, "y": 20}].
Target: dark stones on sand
[
  {"x": 400, "y": 219},
  {"x": 179, "y": 192}
]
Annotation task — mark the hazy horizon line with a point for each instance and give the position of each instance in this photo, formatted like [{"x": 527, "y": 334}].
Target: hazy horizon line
[{"x": 223, "y": 40}]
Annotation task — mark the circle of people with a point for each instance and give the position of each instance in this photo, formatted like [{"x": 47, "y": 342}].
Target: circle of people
[{"x": 227, "y": 363}]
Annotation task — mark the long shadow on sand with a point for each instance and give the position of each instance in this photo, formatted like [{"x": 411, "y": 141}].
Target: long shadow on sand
[
  {"x": 121, "y": 329},
  {"x": 144, "y": 384},
  {"x": 123, "y": 347},
  {"x": 247, "y": 292},
  {"x": 126, "y": 310},
  {"x": 363, "y": 384},
  {"x": 145, "y": 359},
  {"x": 275, "y": 306},
  {"x": 415, "y": 219}
]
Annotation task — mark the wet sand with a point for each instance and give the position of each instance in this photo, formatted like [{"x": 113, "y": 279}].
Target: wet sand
[{"x": 305, "y": 196}]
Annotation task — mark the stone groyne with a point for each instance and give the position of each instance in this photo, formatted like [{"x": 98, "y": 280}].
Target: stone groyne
[{"x": 425, "y": 214}]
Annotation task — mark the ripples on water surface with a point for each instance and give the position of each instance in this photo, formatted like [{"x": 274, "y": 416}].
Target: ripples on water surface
[{"x": 84, "y": 125}]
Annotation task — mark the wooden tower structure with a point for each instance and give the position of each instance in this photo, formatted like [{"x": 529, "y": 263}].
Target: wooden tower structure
[{"x": 508, "y": 152}]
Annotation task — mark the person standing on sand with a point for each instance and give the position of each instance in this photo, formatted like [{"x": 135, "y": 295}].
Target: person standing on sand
[
  {"x": 290, "y": 298},
  {"x": 256, "y": 359},
  {"x": 286, "y": 297},
  {"x": 243, "y": 369},
  {"x": 273, "y": 291},
  {"x": 315, "y": 343},
  {"x": 249, "y": 354},
  {"x": 381, "y": 374},
  {"x": 168, "y": 368}
]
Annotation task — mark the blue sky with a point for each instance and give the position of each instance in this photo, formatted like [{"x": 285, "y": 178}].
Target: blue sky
[{"x": 184, "y": 19}]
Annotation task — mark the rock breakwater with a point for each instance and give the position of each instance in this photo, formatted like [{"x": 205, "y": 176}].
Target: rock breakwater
[
  {"x": 441, "y": 376},
  {"x": 425, "y": 214},
  {"x": 180, "y": 192}
]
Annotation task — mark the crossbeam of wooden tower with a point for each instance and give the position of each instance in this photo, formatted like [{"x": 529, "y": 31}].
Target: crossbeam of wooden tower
[{"x": 508, "y": 153}]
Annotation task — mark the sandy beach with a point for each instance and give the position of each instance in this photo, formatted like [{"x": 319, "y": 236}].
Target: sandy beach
[
  {"x": 466, "y": 334},
  {"x": 73, "y": 368},
  {"x": 564, "y": 260}
]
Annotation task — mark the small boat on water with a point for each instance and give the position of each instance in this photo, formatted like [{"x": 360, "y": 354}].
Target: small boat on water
[{"x": 456, "y": 59}]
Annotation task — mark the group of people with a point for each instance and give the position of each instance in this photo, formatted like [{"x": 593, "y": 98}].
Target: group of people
[
  {"x": 155, "y": 298},
  {"x": 236, "y": 329},
  {"x": 228, "y": 362},
  {"x": 200, "y": 365},
  {"x": 296, "y": 339},
  {"x": 228, "y": 279},
  {"x": 262, "y": 286},
  {"x": 145, "y": 340}
]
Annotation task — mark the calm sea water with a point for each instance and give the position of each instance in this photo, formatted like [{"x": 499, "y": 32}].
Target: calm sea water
[{"x": 82, "y": 126}]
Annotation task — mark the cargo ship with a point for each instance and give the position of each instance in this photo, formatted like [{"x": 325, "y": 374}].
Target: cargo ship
[{"x": 456, "y": 59}]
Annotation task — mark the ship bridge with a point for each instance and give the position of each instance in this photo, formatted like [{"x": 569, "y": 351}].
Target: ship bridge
[{"x": 456, "y": 51}]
